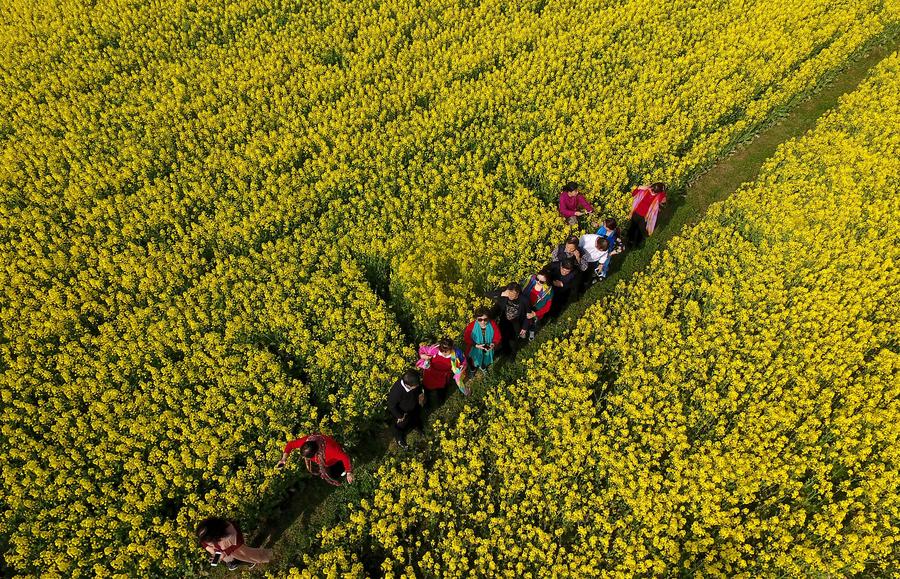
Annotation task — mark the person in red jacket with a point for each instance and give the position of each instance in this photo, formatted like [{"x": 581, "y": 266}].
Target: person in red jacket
[
  {"x": 330, "y": 460},
  {"x": 481, "y": 336},
  {"x": 645, "y": 204}
]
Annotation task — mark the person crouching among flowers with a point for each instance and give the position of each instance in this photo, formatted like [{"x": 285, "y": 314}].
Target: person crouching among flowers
[{"x": 324, "y": 458}]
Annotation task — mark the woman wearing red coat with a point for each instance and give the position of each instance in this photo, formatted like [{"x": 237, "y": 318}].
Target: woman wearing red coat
[
  {"x": 324, "y": 457},
  {"x": 481, "y": 336}
]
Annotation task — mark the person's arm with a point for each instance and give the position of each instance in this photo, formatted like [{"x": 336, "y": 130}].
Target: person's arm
[
  {"x": 582, "y": 202},
  {"x": 563, "y": 210},
  {"x": 289, "y": 448},
  {"x": 585, "y": 256},
  {"x": 581, "y": 261},
  {"x": 497, "y": 336},
  {"x": 524, "y": 307},
  {"x": 555, "y": 275}
]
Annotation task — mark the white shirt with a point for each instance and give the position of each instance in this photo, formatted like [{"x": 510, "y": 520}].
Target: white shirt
[{"x": 588, "y": 244}]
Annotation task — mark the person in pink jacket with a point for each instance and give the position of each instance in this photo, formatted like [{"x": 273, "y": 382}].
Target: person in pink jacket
[{"x": 572, "y": 203}]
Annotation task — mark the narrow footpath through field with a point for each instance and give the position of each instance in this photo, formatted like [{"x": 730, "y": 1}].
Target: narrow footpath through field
[{"x": 311, "y": 505}]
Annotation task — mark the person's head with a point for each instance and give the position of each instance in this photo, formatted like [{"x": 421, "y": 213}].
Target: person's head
[
  {"x": 571, "y": 244},
  {"x": 602, "y": 243},
  {"x": 445, "y": 345},
  {"x": 570, "y": 188},
  {"x": 566, "y": 266},
  {"x": 481, "y": 316},
  {"x": 410, "y": 378},
  {"x": 543, "y": 277},
  {"x": 212, "y": 529},
  {"x": 658, "y": 187},
  {"x": 309, "y": 449},
  {"x": 514, "y": 288},
  {"x": 610, "y": 224}
]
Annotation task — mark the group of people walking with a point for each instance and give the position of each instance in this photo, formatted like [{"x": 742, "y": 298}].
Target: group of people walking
[{"x": 518, "y": 311}]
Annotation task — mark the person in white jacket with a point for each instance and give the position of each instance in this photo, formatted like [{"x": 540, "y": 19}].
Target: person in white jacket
[{"x": 595, "y": 249}]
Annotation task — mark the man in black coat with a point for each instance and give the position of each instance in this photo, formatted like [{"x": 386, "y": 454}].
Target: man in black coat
[
  {"x": 405, "y": 402},
  {"x": 564, "y": 278},
  {"x": 511, "y": 307}
]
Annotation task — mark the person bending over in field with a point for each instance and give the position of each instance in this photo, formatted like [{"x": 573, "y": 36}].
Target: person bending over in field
[
  {"x": 481, "y": 336},
  {"x": 405, "y": 402},
  {"x": 564, "y": 278},
  {"x": 224, "y": 542},
  {"x": 324, "y": 458},
  {"x": 596, "y": 253},
  {"x": 572, "y": 203},
  {"x": 645, "y": 203},
  {"x": 511, "y": 307},
  {"x": 442, "y": 365},
  {"x": 540, "y": 299},
  {"x": 569, "y": 250}
]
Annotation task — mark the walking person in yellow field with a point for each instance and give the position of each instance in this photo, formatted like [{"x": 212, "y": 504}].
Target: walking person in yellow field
[
  {"x": 405, "y": 402},
  {"x": 645, "y": 203}
]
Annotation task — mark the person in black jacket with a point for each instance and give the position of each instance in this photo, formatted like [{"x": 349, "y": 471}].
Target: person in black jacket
[
  {"x": 405, "y": 402},
  {"x": 564, "y": 278},
  {"x": 511, "y": 307}
]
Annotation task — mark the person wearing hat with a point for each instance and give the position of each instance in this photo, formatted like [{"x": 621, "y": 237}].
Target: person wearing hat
[{"x": 405, "y": 401}]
